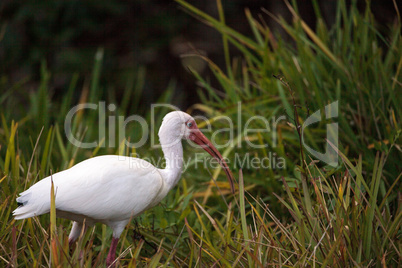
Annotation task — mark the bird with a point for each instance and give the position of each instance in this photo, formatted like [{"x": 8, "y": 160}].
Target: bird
[{"x": 113, "y": 189}]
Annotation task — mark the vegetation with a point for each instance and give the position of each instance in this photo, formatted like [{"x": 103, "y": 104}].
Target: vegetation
[{"x": 305, "y": 213}]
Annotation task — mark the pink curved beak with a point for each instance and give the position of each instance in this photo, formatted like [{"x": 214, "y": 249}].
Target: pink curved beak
[{"x": 197, "y": 137}]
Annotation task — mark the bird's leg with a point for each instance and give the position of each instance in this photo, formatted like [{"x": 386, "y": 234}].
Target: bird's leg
[
  {"x": 77, "y": 229},
  {"x": 111, "y": 256},
  {"x": 70, "y": 242}
]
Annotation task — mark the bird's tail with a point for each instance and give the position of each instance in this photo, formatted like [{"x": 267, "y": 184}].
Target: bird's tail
[
  {"x": 25, "y": 209},
  {"x": 35, "y": 201}
]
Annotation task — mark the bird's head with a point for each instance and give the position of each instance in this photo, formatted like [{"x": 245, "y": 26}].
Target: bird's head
[
  {"x": 175, "y": 126},
  {"x": 179, "y": 125}
]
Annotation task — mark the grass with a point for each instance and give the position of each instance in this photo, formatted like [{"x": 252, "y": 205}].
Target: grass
[{"x": 306, "y": 214}]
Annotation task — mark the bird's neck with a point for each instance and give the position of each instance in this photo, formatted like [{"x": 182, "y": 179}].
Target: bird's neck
[{"x": 173, "y": 153}]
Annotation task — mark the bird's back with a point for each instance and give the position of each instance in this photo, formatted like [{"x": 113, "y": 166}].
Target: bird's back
[{"x": 100, "y": 189}]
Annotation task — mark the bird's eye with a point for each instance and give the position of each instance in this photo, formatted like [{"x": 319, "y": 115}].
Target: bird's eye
[{"x": 189, "y": 124}]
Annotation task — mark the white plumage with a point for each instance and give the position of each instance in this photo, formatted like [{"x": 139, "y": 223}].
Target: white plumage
[
  {"x": 113, "y": 189},
  {"x": 99, "y": 189}
]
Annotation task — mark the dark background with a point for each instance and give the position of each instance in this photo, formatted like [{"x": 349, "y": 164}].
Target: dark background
[{"x": 148, "y": 33}]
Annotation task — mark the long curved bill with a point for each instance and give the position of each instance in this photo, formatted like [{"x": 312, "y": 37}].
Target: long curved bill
[{"x": 197, "y": 137}]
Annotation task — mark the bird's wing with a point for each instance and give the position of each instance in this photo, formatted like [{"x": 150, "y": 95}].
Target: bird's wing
[{"x": 102, "y": 188}]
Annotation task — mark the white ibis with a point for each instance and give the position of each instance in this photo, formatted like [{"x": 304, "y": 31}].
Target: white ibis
[{"x": 112, "y": 189}]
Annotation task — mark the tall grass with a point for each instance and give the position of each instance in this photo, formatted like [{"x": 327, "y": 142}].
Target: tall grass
[
  {"x": 352, "y": 63},
  {"x": 303, "y": 214}
]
